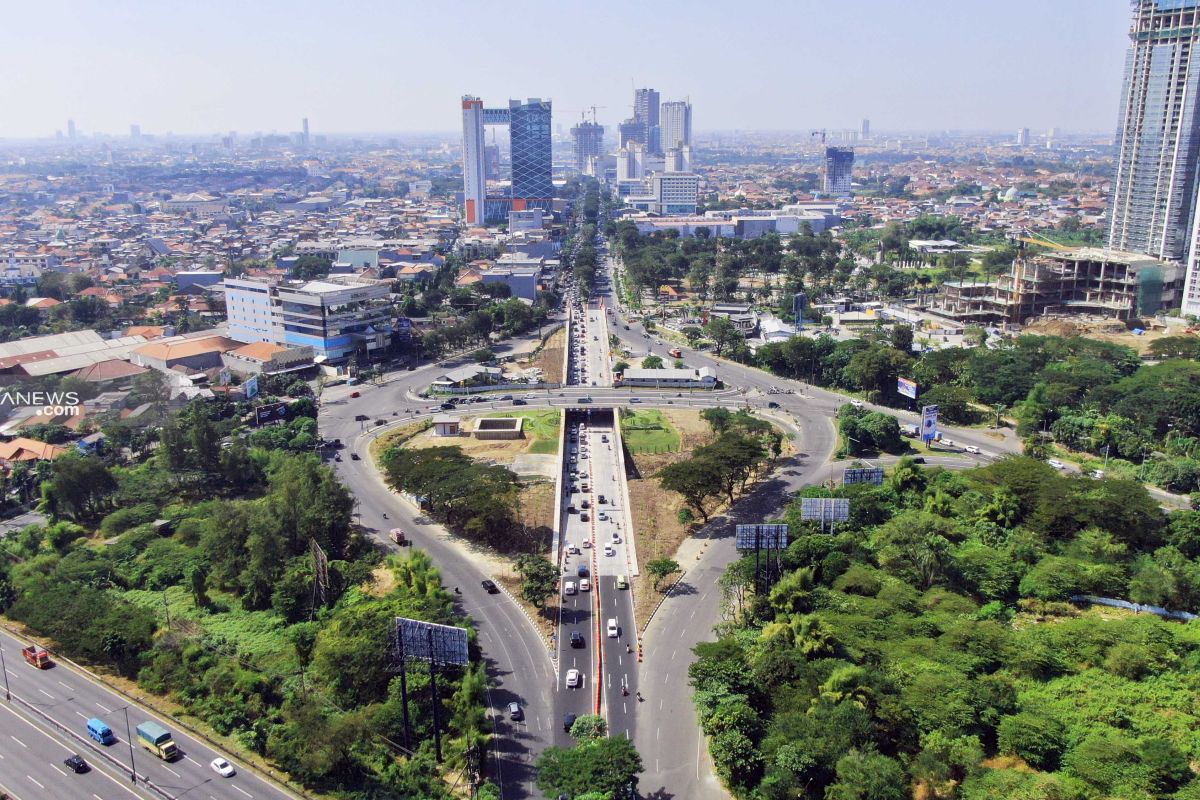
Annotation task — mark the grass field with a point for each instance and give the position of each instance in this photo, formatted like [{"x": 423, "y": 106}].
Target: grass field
[
  {"x": 648, "y": 431},
  {"x": 541, "y": 427}
]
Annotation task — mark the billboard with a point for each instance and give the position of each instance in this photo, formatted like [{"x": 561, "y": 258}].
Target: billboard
[
  {"x": 873, "y": 475},
  {"x": 825, "y": 509},
  {"x": 754, "y": 537},
  {"x": 906, "y": 387},
  {"x": 251, "y": 386},
  {"x": 271, "y": 412},
  {"x": 929, "y": 420},
  {"x": 428, "y": 641}
]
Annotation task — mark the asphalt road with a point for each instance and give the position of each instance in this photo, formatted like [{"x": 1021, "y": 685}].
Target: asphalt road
[{"x": 70, "y": 698}]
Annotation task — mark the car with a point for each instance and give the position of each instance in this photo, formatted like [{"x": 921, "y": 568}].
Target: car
[
  {"x": 587, "y": 543},
  {"x": 576, "y": 639},
  {"x": 609, "y": 550},
  {"x": 446, "y": 406},
  {"x": 972, "y": 449},
  {"x": 772, "y": 404},
  {"x": 489, "y": 586},
  {"x": 582, "y": 571},
  {"x": 222, "y": 767},
  {"x": 600, "y": 499},
  {"x": 519, "y": 402},
  {"x": 505, "y": 397},
  {"x": 918, "y": 459},
  {"x": 613, "y": 630},
  {"x": 1098, "y": 474},
  {"x": 515, "y": 713},
  {"x": 1054, "y": 462},
  {"x": 568, "y": 721},
  {"x": 602, "y": 516},
  {"x": 616, "y": 538},
  {"x": 569, "y": 588},
  {"x": 584, "y": 517},
  {"x": 622, "y": 582},
  {"x": 585, "y": 504},
  {"x": 355, "y": 457},
  {"x": 361, "y": 418},
  {"x": 76, "y": 764},
  {"x": 585, "y": 585},
  {"x": 356, "y": 394},
  {"x": 574, "y": 681},
  {"x": 583, "y": 476},
  {"x": 856, "y": 403},
  {"x": 635, "y": 399}
]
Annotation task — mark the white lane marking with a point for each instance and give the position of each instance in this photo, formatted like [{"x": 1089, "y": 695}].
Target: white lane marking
[
  {"x": 194, "y": 761},
  {"x": 85, "y": 716},
  {"x": 43, "y": 691},
  {"x": 59, "y": 770},
  {"x": 104, "y": 709},
  {"x": 60, "y": 683},
  {"x": 18, "y": 741},
  {"x": 35, "y": 782},
  {"x": 173, "y": 772},
  {"x": 243, "y": 791}
]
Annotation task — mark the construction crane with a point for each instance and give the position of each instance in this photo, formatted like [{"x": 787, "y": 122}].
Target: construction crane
[
  {"x": 1033, "y": 237},
  {"x": 820, "y": 133}
]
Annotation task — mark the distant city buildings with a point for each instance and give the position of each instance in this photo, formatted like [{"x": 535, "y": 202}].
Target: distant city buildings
[
  {"x": 1022, "y": 137},
  {"x": 530, "y": 182},
  {"x": 865, "y": 131},
  {"x": 1153, "y": 204},
  {"x": 71, "y": 129},
  {"x": 676, "y": 125}
]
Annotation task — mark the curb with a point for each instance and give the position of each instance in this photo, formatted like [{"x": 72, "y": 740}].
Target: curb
[
  {"x": 549, "y": 645},
  {"x": 665, "y": 596}
]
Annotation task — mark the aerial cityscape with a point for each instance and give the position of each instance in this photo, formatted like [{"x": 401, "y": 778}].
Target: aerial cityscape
[{"x": 697, "y": 410}]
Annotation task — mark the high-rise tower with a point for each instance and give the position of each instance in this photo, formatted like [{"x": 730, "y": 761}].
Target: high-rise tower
[
  {"x": 587, "y": 142},
  {"x": 839, "y": 170},
  {"x": 474, "y": 183},
  {"x": 531, "y": 184},
  {"x": 676, "y": 125}
]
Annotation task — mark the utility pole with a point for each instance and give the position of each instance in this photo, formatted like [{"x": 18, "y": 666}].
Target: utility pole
[
  {"x": 4, "y": 669},
  {"x": 129, "y": 741}
]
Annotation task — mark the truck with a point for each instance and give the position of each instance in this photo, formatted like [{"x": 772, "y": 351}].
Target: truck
[
  {"x": 675, "y": 352},
  {"x": 36, "y": 656},
  {"x": 398, "y": 537},
  {"x": 157, "y": 740}
]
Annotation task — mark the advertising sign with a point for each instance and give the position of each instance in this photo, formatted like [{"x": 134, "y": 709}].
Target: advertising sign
[
  {"x": 906, "y": 387},
  {"x": 251, "y": 386},
  {"x": 929, "y": 420},
  {"x": 270, "y": 413}
]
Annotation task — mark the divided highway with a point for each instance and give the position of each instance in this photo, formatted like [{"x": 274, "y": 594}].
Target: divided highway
[{"x": 32, "y": 750}]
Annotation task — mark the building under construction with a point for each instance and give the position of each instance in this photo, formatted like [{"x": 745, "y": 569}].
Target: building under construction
[{"x": 1087, "y": 281}]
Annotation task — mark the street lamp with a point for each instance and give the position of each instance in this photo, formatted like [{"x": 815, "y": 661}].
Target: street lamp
[
  {"x": 4, "y": 669},
  {"x": 129, "y": 741}
]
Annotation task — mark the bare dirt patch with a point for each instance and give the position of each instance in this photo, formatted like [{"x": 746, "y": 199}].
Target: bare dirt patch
[
  {"x": 1105, "y": 331},
  {"x": 550, "y": 358},
  {"x": 383, "y": 580}
]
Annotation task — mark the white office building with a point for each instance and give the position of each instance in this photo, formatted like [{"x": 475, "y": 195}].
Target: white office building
[{"x": 675, "y": 192}]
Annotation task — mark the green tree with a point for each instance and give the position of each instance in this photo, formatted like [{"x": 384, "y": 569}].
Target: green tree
[
  {"x": 609, "y": 764},
  {"x": 660, "y": 568},
  {"x": 866, "y": 775},
  {"x": 539, "y": 578}
]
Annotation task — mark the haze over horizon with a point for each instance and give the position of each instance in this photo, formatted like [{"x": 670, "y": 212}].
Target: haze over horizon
[{"x": 376, "y": 67}]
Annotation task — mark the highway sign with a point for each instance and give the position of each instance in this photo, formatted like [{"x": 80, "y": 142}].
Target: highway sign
[
  {"x": 428, "y": 641},
  {"x": 753, "y": 537},
  {"x": 866, "y": 475},
  {"x": 824, "y": 509}
]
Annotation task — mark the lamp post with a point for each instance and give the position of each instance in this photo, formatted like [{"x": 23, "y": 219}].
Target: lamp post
[
  {"x": 4, "y": 669},
  {"x": 129, "y": 741}
]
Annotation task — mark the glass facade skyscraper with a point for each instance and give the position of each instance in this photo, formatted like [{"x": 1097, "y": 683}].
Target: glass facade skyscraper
[
  {"x": 1153, "y": 205},
  {"x": 529, "y": 135}
]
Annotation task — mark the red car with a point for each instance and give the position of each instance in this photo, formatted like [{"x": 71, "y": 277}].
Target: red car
[{"x": 356, "y": 394}]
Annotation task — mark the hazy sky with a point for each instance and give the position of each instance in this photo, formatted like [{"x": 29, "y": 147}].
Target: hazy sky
[{"x": 350, "y": 66}]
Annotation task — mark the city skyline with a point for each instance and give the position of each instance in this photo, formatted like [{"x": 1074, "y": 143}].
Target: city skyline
[{"x": 124, "y": 63}]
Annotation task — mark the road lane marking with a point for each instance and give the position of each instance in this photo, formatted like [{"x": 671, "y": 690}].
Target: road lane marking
[
  {"x": 31, "y": 779},
  {"x": 80, "y": 713},
  {"x": 194, "y": 761},
  {"x": 59, "y": 770},
  {"x": 104, "y": 709},
  {"x": 173, "y": 772},
  {"x": 43, "y": 691},
  {"x": 243, "y": 791},
  {"x": 60, "y": 683},
  {"x": 18, "y": 741}
]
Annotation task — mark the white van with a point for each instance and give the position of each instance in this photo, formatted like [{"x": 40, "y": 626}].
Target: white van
[{"x": 569, "y": 588}]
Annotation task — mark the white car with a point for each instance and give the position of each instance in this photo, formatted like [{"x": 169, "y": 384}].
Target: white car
[
  {"x": 574, "y": 679},
  {"x": 602, "y": 516},
  {"x": 587, "y": 543},
  {"x": 856, "y": 403},
  {"x": 569, "y": 588},
  {"x": 1054, "y": 462},
  {"x": 609, "y": 550},
  {"x": 616, "y": 538},
  {"x": 585, "y": 585},
  {"x": 223, "y": 768},
  {"x": 972, "y": 449},
  {"x": 612, "y": 628}
]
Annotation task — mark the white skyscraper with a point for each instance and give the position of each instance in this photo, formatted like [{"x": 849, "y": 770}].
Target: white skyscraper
[
  {"x": 1022, "y": 137},
  {"x": 474, "y": 182},
  {"x": 676, "y": 124}
]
